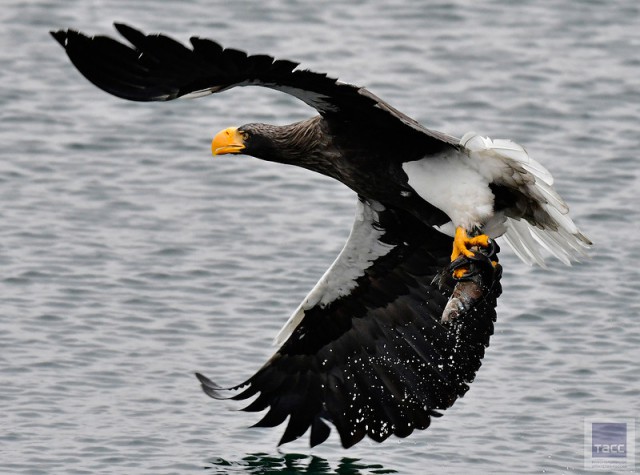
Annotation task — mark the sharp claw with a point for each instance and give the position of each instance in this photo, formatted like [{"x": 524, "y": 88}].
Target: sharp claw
[{"x": 484, "y": 254}]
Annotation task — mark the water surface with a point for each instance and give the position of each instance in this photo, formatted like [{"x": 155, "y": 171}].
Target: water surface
[{"x": 131, "y": 258}]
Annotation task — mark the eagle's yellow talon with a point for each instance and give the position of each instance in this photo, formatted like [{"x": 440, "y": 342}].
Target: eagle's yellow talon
[
  {"x": 481, "y": 240},
  {"x": 460, "y": 273},
  {"x": 462, "y": 242}
]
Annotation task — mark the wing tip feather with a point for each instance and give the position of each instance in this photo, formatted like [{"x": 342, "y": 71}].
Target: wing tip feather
[
  {"x": 60, "y": 36},
  {"x": 128, "y": 32},
  {"x": 210, "y": 388}
]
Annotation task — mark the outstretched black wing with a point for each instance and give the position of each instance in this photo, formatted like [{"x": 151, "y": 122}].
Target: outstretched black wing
[
  {"x": 368, "y": 349},
  {"x": 158, "y": 68}
]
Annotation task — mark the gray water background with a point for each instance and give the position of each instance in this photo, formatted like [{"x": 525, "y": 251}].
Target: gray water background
[{"x": 131, "y": 258}]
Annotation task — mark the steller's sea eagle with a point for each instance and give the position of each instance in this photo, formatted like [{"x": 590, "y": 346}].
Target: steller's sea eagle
[{"x": 397, "y": 326}]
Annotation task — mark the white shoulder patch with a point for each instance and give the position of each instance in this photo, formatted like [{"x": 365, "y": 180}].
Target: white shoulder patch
[
  {"x": 451, "y": 183},
  {"x": 360, "y": 251}
]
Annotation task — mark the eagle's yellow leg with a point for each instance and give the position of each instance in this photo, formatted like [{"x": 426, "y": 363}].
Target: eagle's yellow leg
[{"x": 461, "y": 244}]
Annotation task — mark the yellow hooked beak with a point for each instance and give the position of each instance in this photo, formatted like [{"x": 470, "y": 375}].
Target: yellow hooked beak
[{"x": 228, "y": 141}]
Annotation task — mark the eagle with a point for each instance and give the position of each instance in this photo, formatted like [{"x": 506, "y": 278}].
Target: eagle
[{"x": 396, "y": 328}]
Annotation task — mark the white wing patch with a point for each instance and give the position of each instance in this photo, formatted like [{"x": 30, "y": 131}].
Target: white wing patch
[{"x": 360, "y": 251}]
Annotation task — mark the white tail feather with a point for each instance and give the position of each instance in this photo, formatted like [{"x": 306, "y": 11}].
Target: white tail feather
[
  {"x": 552, "y": 197},
  {"x": 522, "y": 242},
  {"x": 549, "y": 228},
  {"x": 527, "y": 242}
]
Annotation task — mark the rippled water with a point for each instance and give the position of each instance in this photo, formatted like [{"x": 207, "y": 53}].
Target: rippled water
[{"x": 130, "y": 258}]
